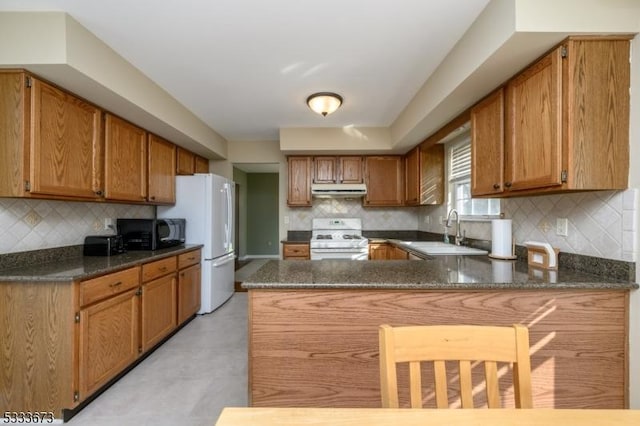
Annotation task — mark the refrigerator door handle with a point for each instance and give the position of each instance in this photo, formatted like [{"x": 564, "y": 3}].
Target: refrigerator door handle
[
  {"x": 223, "y": 260},
  {"x": 229, "y": 217}
]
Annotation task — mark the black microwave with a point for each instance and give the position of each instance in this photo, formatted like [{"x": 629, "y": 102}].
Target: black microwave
[{"x": 151, "y": 234}]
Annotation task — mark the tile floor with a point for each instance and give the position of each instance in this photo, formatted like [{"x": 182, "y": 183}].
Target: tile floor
[{"x": 187, "y": 381}]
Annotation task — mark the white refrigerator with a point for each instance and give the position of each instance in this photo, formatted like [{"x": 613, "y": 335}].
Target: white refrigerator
[{"x": 206, "y": 201}]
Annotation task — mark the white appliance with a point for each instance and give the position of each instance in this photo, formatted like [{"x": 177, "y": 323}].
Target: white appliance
[
  {"x": 339, "y": 238},
  {"x": 206, "y": 201}
]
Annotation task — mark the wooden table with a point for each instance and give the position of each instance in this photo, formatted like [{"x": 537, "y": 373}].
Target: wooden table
[{"x": 410, "y": 417}]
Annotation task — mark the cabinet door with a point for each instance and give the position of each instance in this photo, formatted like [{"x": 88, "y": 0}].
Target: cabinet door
[
  {"x": 158, "y": 310},
  {"x": 431, "y": 171},
  {"x": 378, "y": 251},
  {"x": 324, "y": 170},
  {"x": 487, "y": 145},
  {"x": 350, "y": 170},
  {"x": 411, "y": 174},
  {"x": 384, "y": 177},
  {"x": 188, "y": 292},
  {"x": 109, "y": 334},
  {"x": 125, "y": 161},
  {"x": 162, "y": 171},
  {"x": 66, "y": 144},
  {"x": 299, "y": 193},
  {"x": 396, "y": 253},
  {"x": 201, "y": 165},
  {"x": 534, "y": 126},
  {"x": 185, "y": 161}
]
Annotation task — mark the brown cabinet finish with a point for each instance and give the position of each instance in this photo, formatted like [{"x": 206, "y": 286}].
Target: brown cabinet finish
[
  {"x": 432, "y": 178},
  {"x": 412, "y": 177},
  {"x": 66, "y": 144},
  {"x": 188, "y": 292},
  {"x": 185, "y": 161},
  {"x": 396, "y": 253},
  {"x": 162, "y": 171},
  {"x": 379, "y": 251},
  {"x": 51, "y": 141},
  {"x": 350, "y": 169},
  {"x": 534, "y": 130},
  {"x": 159, "y": 310},
  {"x": 487, "y": 145},
  {"x": 105, "y": 286},
  {"x": 384, "y": 177},
  {"x": 201, "y": 164},
  {"x": 153, "y": 270},
  {"x": 299, "y": 194},
  {"x": 108, "y": 340},
  {"x": 325, "y": 170},
  {"x": 125, "y": 161},
  {"x": 566, "y": 123},
  {"x": 295, "y": 251}
]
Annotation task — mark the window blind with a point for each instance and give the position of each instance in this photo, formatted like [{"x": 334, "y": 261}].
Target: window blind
[{"x": 460, "y": 165}]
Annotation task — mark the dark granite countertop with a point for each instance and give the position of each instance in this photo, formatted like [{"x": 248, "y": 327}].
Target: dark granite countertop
[
  {"x": 434, "y": 273},
  {"x": 83, "y": 267}
]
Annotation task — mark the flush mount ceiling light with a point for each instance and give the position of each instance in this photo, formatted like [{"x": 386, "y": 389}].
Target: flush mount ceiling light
[{"x": 324, "y": 103}]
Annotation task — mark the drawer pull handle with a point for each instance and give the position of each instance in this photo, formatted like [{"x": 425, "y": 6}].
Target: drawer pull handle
[
  {"x": 116, "y": 284},
  {"x": 163, "y": 268}
]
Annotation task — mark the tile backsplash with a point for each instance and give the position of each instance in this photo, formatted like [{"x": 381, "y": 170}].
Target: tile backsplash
[
  {"x": 601, "y": 223},
  {"x": 373, "y": 218},
  {"x": 37, "y": 224}
]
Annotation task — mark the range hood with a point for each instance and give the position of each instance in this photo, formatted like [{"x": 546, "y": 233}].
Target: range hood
[{"x": 338, "y": 190}]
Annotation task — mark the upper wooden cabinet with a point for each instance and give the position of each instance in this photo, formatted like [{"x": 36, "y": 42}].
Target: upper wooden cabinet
[
  {"x": 125, "y": 176},
  {"x": 201, "y": 164},
  {"x": 566, "y": 123},
  {"x": 185, "y": 161},
  {"x": 487, "y": 145},
  {"x": 338, "y": 169},
  {"x": 162, "y": 171},
  {"x": 325, "y": 170},
  {"x": 299, "y": 194},
  {"x": 384, "y": 176},
  {"x": 412, "y": 177},
  {"x": 431, "y": 172},
  {"x": 350, "y": 169},
  {"x": 51, "y": 141}
]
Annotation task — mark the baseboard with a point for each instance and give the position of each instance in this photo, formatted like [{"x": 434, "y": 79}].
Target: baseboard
[{"x": 260, "y": 256}]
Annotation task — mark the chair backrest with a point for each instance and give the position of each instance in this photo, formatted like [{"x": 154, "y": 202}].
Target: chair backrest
[{"x": 466, "y": 344}]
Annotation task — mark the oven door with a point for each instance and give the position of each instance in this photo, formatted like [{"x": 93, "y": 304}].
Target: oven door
[{"x": 339, "y": 253}]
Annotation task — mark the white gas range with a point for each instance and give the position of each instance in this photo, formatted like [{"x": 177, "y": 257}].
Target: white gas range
[{"x": 339, "y": 238}]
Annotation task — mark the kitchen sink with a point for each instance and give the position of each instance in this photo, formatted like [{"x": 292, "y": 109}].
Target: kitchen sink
[{"x": 437, "y": 248}]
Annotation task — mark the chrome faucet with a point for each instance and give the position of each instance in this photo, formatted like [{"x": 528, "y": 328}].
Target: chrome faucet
[{"x": 458, "y": 238}]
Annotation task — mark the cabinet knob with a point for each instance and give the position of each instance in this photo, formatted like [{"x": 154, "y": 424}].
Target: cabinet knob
[
  {"x": 153, "y": 197},
  {"x": 98, "y": 193},
  {"x": 496, "y": 186},
  {"x": 507, "y": 184}
]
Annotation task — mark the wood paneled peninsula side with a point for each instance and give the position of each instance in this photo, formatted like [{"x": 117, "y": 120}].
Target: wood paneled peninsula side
[{"x": 313, "y": 326}]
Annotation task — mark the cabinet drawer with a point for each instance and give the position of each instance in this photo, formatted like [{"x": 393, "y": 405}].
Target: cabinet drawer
[
  {"x": 188, "y": 259},
  {"x": 108, "y": 285},
  {"x": 158, "y": 268},
  {"x": 296, "y": 250}
]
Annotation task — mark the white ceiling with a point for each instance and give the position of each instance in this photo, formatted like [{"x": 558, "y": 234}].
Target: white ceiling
[{"x": 246, "y": 67}]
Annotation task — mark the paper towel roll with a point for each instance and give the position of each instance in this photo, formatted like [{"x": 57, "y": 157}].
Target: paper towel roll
[{"x": 501, "y": 239}]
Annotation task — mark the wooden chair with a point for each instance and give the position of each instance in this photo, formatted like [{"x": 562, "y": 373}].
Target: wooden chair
[{"x": 463, "y": 343}]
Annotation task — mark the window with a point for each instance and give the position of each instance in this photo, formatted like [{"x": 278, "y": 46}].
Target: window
[{"x": 459, "y": 155}]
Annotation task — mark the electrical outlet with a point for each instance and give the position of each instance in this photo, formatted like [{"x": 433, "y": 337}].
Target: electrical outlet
[
  {"x": 562, "y": 227},
  {"x": 109, "y": 224},
  {"x": 286, "y": 220},
  {"x": 441, "y": 220},
  {"x": 427, "y": 219}
]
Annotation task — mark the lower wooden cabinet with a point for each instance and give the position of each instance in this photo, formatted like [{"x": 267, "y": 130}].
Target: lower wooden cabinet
[
  {"x": 378, "y": 251},
  {"x": 109, "y": 340},
  {"x": 64, "y": 340},
  {"x": 296, "y": 251},
  {"x": 188, "y": 292},
  {"x": 396, "y": 253},
  {"x": 159, "y": 310}
]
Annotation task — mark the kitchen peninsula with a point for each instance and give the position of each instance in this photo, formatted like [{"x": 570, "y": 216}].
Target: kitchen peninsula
[{"x": 313, "y": 326}]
